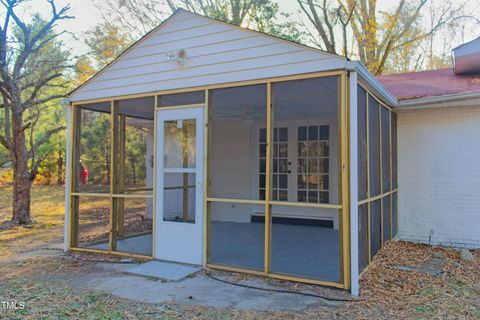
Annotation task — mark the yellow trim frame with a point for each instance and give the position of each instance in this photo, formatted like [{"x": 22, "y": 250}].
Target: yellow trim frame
[
  {"x": 115, "y": 253},
  {"x": 343, "y": 207},
  {"x": 345, "y": 182},
  {"x": 115, "y": 198},
  {"x": 216, "y": 86},
  {"x": 369, "y": 199}
]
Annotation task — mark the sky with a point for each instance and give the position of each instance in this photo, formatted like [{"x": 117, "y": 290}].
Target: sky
[{"x": 87, "y": 16}]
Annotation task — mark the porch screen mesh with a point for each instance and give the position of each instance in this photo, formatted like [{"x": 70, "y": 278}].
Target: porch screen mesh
[
  {"x": 394, "y": 151},
  {"x": 385, "y": 127},
  {"x": 375, "y": 225},
  {"x": 184, "y": 98},
  {"x": 386, "y": 218},
  {"x": 377, "y": 175},
  {"x": 394, "y": 214},
  {"x": 362, "y": 237},
  {"x": 374, "y": 144},
  {"x": 362, "y": 143}
]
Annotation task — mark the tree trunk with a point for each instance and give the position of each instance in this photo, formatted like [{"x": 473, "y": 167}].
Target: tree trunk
[
  {"x": 60, "y": 169},
  {"x": 134, "y": 174},
  {"x": 21, "y": 180}
]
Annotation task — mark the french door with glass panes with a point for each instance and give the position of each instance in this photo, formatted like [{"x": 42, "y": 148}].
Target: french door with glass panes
[{"x": 300, "y": 168}]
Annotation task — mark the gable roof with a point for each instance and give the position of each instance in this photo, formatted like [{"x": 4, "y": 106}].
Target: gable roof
[
  {"x": 216, "y": 52},
  {"x": 432, "y": 83}
]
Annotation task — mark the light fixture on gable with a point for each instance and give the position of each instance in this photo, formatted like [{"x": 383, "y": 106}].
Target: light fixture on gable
[{"x": 177, "y": 56}]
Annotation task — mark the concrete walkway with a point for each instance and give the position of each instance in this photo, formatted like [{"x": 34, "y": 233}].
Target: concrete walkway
[{"x": 196, "y": 290}]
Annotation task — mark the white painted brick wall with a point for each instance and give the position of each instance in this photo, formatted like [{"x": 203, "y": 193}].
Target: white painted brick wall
[{"x": 439, "y": 176}]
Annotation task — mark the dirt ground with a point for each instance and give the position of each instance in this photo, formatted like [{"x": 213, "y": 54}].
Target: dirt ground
[{"x": 44, "y": 284}]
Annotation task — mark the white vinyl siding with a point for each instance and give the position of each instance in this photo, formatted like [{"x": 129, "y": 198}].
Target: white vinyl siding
[{"x": 215, "y": 53}]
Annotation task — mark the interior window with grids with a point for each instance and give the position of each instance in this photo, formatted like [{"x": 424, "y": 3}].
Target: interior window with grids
[
  {"x": 280, "y": 164},
  {"x": 313, "y": 167}
]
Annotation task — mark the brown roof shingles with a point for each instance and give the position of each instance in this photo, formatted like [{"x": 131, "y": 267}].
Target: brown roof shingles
[{"x": 415, "y": 85}]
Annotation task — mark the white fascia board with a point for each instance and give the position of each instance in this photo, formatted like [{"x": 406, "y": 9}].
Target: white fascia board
[
  {"x": 471, "y": 99},
  {"x": 375, "y": 85}
]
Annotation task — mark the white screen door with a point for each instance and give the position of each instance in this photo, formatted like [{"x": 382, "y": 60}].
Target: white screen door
[{"x": 179, "y": 185}]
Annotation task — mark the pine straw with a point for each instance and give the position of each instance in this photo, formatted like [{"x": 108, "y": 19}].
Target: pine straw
[
  {"x": 389, "y": 293},
  {"x": 261, "y": 281},
  {"x": 392, "y": 293}
]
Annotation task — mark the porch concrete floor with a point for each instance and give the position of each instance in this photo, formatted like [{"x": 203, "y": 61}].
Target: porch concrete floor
[
  {"x": 138, "y": 245},
  {"x": 304, "y": 251}
]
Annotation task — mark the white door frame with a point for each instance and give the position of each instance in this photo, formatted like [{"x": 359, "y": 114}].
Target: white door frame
[{"x": 179, "y": 241}]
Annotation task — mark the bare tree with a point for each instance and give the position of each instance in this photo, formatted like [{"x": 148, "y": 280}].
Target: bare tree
[
  {"x": 378, "y": 38},
  {"x": 29, "y": 73},
  {"x": 323, "y": 17},
  {"x": 233, "y": 11},
  {"x": 136, "y": 17},
  {"x": 329, "y": 21},
  {"x": 377, "y": 34}
]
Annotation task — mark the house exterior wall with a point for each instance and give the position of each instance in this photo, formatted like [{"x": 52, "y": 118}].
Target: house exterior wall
[
  {"x": 235, "y": 171},
  {"x": 232, "y": 176},
  {"x": 439, "y": 176},
  {"x": 216, "y": 53}
]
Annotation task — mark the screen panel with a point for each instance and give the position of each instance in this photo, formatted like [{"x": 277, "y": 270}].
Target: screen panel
[
  {"x": 184, "y": 98},
  {"x": 363, "y": 237},
  {"x": 306, "y": 112},
  {"x": 303, "y": 247},
  {"x": 237, "y": 142},
  {"x": 362, "y": 142},
  {"x": 134, "y": 226},
  {"x": 93, "y": 222},
  {"x": 375, "y": 227},
  {"x": 374, "y": 145},
  {"x": 385, "y": 127},
  {"x": 386, "y": 218},
  {"x": 92, "y": 144},
  {"x": 394, "y": 214},
  {"x": 237, "y": 235},
  {"x": 394, "y": 151}
]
